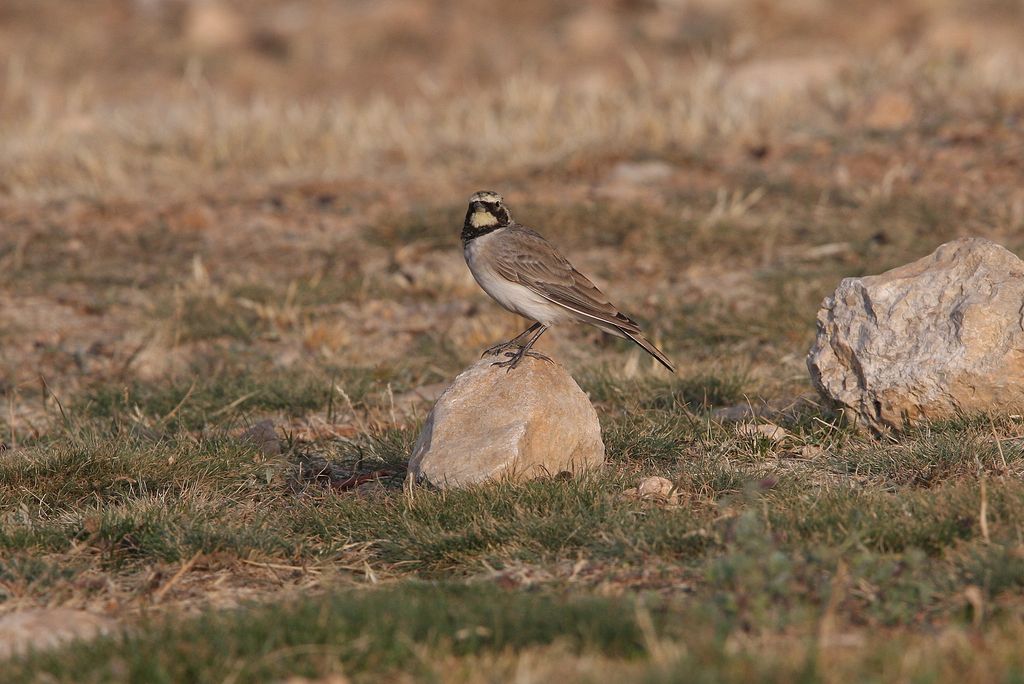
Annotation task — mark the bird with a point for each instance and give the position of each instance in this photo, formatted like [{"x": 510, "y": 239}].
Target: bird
[{"x": 527, "y": 275}]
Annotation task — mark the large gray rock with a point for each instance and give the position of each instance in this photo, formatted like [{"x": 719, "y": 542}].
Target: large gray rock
[
  {"x": 941, "y": 336},
  {"x": 531, "y": 422}
]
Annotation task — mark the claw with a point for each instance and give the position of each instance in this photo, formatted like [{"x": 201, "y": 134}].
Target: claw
[
  {"x": 514, "y": 342},
  {"x": 515, "y": 357},
  {"x": 524, "y": 350},
  {"x": 513, "y": 360},
  {"x": 497, "y": 349}
]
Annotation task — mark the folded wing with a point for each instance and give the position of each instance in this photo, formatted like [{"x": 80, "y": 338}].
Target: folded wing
[{"x": 527, "y": 258}]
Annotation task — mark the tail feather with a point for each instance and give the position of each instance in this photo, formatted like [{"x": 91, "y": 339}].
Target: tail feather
[
  {"x": 634, "y": 335},
  {"x": 644, "y": 343}
]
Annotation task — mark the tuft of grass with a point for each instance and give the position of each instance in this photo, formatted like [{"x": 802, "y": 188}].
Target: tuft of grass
[
  {"x": 450, "y": 631},
  {"x": 213, "y": 396},
  {"x": 655, "y": 393},
  {"x": 933, "y": 453}
]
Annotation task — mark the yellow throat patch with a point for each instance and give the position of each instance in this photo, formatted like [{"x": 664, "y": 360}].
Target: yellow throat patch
[{"x": 482, "y": 219}]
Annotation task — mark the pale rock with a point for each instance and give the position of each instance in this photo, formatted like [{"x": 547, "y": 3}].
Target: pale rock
[
  {"x": 39, "y": 629},
  {"x": 213, "y": 25},
  {"x": 491, "y": 424},
  {"x": 655, "y": 487},
  {"x": 734, "y": 413},
  {"x": 593, "y": 30},
  {"x": 810, "y": 452},
  {"x": 635, "y": 180},
  {"x": 933, "y": 339},
  {"x": 641, "y": 172},
  {"x": 767, "y": 430},
  {"x": 159, "y": 358},
  {"x": 423, "y": 393},
  {"x": 890, "y": 111},
  {"x": 329, "y": 679},
  {"x": 263, "y": 436},
  {"x": 781, "y": 77},
  {"x": 773, "y": 409},
  {"x": 419, "y": 267}
]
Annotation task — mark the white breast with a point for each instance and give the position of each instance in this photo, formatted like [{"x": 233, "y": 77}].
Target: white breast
[{"x": 513, "y": 296}]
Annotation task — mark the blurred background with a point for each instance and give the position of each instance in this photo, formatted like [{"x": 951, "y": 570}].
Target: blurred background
[
  {"x": 197, "y": 184},
  {"x": 111, "y": 96}
]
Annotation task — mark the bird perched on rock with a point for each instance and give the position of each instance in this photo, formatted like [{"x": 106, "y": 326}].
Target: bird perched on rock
[{"x": 526, "y": 274}]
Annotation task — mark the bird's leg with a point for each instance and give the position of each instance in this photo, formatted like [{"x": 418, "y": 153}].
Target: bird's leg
[
  {"x": 514, "y": 342},
  {"x": 515, "y": 357}
]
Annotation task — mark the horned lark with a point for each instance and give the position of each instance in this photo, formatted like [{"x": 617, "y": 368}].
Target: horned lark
[{"x": 526, "y": 274}]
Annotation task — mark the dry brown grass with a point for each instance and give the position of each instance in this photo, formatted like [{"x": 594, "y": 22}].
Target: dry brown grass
[{"x": 78, "y": 136}]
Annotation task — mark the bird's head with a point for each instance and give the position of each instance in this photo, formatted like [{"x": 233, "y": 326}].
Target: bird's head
[{"x": 487, "y": 212}]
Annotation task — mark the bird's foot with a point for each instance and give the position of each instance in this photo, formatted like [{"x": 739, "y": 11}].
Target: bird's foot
[
  {"x": 515, "y": 357},
  {"x": 498, "y": 348}
]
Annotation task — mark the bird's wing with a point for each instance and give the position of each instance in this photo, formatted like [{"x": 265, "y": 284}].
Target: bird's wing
[{"x": 525, "y": 257}]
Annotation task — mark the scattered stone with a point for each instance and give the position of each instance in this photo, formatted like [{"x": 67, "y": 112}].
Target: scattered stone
[
  {"x": 641, "y": 172},
  {"x": 781, "y": 77},
  {"x": 778, "y": 408},
  {"x": 263, "y": 436},
  {"x": 829, "y": 250},
  {"x": 767, "y": 430},
  {"x": 655, "y": 487},
  {"x": 593, "y": 30},
  {"x": 734, "y": 414},
  {"x": 933, "y": 339},
  {"x": 44, "y": 628},
  {"x": 490, "y": 424},
  {"x": 406, "y": 402},
  {"x": 190, "y": 220},
  {"x": 810, "y": 452},
  {"x": 634, "y": 180},
  {"x": 329, "y": 679},
  {"x": 212, "y": 25},
  {"x": 890, "y": 112},
  {"x": 430, "y": 392}
]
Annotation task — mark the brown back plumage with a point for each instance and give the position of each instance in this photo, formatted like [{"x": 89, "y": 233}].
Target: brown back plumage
[{"x": 525, "y": 257}]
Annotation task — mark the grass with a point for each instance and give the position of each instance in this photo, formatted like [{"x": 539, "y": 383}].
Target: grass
[
  {"x": 358, "y": 632},
  {"x": 748, "y": 548},
  {"x": 752, "y": 585},
  {"x": 224, "y": 393},
  {"x": 133, "y": 498}
]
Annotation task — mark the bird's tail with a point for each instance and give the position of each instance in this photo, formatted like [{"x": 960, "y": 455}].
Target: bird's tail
[{"x": 649, "y": 348}]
